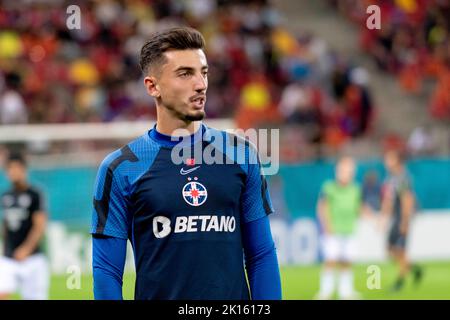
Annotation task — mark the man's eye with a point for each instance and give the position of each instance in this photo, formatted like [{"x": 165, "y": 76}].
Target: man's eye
[{"x": 184, "y": 74}]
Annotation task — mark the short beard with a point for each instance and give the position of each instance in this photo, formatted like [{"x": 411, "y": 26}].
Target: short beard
[
  {"x": 197, "y": 117},
  {"x": 187, "y": 117}
]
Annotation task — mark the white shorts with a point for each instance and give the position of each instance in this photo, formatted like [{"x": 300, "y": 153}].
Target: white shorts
[
  {"x": 30, "y": 277},
  {"x": 339, "y": 248}
]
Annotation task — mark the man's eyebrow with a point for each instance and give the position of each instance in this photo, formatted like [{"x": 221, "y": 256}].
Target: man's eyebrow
[{"x": 186, "y": 68}]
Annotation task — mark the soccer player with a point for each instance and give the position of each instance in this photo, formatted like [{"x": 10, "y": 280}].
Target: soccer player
[
  {"x": 24, "y": 266},
  {"x": 398, "y": 202},
  {"x": 338, "y": 209},
  {"x": 190, "y": 224}
]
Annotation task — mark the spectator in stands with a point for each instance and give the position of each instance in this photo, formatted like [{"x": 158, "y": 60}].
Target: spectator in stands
[
  {"x": 12, "y": 105},
  {"x": 298, "y": 108},
  {"x": 421, "y": 141}
]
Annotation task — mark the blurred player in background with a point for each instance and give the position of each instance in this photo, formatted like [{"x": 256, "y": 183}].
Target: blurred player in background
[
  {"x": 24, "y": 266},
  {"x": 371, "y": 192},
  {"x": 189, "y": 223},
  {"x": 399, "y": 204},
  {"x": 338, "y": 210}
]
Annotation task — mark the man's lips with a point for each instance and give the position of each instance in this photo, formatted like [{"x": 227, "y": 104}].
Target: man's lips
[
  {"x": 198, "y": 100},
  {"x": 197, "y": 97}
]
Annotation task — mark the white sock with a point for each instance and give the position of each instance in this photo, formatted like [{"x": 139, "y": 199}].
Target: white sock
[
  {"x": 326, "y": 283},
  {"x": 345, "y": 284}
]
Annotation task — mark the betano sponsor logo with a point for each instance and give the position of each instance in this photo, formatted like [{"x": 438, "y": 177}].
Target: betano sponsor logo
[{"x": 162, "y": 226}]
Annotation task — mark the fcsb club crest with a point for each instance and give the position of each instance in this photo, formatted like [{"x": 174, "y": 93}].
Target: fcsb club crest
[{"x": 194, "y": 193}]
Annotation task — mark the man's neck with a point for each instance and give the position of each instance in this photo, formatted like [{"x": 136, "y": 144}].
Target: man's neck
[
  {"x": 398, "y": 171},
  {"x": 20, "y": 186},
  {"x": 343, "y": 184},
  {"x": 177, "y": 128}
]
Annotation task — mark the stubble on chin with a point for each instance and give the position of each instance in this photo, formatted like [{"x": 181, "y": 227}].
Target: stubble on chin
[{"x": 194, "y": 117}]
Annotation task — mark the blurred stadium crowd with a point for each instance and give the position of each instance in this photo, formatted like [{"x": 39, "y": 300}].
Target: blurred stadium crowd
[
  {"x": 413, "y": 44},
  {"x": 261, "y": 75}
]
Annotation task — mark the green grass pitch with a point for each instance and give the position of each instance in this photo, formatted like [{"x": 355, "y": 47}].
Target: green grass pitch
[{"x": 302, "y": 283}]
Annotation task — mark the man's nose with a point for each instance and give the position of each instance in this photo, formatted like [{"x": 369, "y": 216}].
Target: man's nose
[{"x": 201, "y": 84}]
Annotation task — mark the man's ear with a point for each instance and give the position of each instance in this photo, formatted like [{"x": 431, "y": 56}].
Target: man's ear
[{"x": 152, "y": 87}]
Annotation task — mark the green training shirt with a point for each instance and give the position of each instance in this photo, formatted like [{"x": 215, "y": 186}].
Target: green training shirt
[{"x": 344, "y": 204}]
